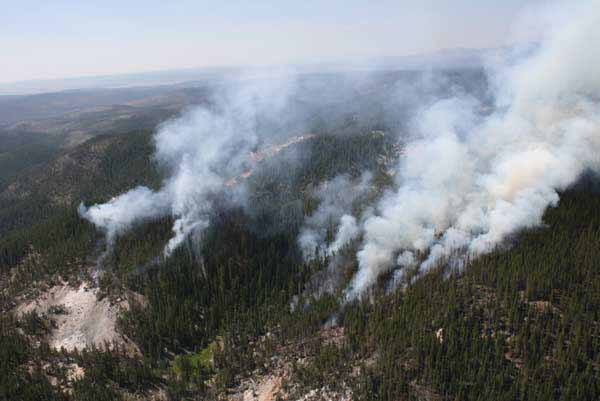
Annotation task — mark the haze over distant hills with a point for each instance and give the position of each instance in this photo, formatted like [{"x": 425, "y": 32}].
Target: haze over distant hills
[{"x": 447, "y": 58}]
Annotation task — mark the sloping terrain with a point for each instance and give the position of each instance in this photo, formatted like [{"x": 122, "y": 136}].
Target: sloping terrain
[
  {"x": 233, "y": 315},
  {"x": 36, "y": 128},
  {"x": 79, "y": 320},
  {"x": 86, "y": 172}
]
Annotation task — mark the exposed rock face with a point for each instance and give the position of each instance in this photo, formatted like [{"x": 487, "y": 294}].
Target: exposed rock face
[
  {"x": 278, "y": 382},
  {"x": 266, "y": 390},
  {"x": 80, "y": 320}
]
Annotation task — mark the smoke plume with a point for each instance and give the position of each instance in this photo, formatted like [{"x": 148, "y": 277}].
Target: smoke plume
[
  {"x": 201, "y": 150},
  {"x": 467, "y": 181},
  {"x": 336, "y": 199}
]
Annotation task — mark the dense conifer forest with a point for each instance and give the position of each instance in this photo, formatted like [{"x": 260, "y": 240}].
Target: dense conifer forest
[{"x": 520, "y": 323}]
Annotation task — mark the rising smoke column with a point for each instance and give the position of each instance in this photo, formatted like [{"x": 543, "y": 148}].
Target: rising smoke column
[
  {"x": 467, "y": 182},
  {"x": 201, "y": 150},
  {"x": 336, "y": 199}
]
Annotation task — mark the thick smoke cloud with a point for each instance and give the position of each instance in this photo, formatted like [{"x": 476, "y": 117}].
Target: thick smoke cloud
[
  {"x": 468, "y": 181},
  {"x": 201, "y": 150}
]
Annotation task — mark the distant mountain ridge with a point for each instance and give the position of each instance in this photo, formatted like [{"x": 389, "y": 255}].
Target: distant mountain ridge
[{"x": 445, "y": 58}]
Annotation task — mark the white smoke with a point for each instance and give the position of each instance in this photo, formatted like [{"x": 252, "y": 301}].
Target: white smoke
[
  {"x": 201, "y": 150},
  {"x": 347, "y": 232},
  {"x": 336, "y": 198},
  {"x": 116, "y": 216},
  {"x": 468, "y": 181}
]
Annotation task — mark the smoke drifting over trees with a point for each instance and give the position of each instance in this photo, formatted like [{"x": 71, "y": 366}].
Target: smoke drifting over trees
[
  {"x": 201, "y": 151},
  {"x": 471, "y": 172},
  {"x": 336, "y": 199},
  {"x": 465, "y": 183}
]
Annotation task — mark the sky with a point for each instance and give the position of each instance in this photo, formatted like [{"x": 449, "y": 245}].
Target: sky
[{"x": 65, "y": 38}]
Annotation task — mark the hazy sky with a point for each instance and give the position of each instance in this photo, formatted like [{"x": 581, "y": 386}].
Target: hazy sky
[{"x": 66, "y": 38}]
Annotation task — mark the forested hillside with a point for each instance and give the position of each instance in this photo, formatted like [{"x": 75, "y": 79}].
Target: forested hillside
[
  {"x": 518, "y": 324},
  {"x": 338, "y": 201}
]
